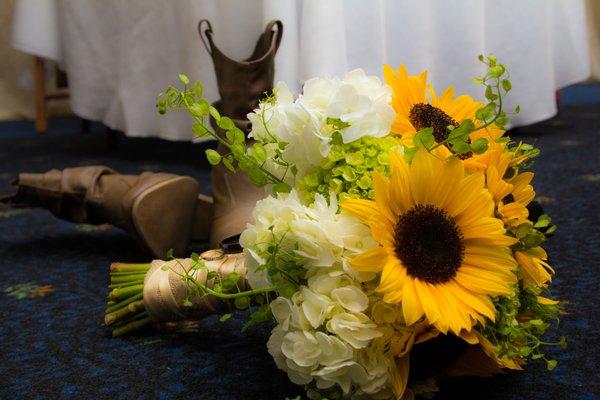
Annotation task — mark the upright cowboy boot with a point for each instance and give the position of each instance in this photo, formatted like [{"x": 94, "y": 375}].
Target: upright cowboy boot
[
  {"x": 162, "y": 211},
  {"x": 241, "y": 85}
]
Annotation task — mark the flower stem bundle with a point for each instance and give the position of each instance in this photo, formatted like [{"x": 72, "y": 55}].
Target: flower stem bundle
[
  {"x": 125, "y": 310},
  {"x": 179, "y": 289}
]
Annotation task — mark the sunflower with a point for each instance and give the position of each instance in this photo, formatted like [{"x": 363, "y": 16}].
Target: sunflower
[
  {"x": 511, "y": 194},
  {"x": 415, "y": 112},
  {"x": 513, "y": 206},
  {"x": 442, "y": 254},
  {"x": 534, "y": 267}
]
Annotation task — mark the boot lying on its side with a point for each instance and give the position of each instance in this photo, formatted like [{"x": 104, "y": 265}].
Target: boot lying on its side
[{"x": 162, "y": 211}]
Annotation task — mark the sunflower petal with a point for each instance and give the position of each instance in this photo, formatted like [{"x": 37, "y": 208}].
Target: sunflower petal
[
  {"x": 362, "y": 209},
  {"x": 412, "y": 309},
  {"x": 372, "y": 260},
  {"x": 428, "y": 301},
  {"x": 423, "y": 171}
]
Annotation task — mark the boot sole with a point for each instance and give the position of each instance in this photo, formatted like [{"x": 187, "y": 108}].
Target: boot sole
[{"x": 163, "y": 215}]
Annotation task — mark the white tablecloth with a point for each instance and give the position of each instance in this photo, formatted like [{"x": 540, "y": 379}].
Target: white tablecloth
[{"x": 120, "y": 54}]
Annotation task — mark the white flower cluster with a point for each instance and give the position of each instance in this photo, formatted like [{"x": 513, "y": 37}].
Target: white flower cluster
[
  {"x": 361, "y": 103},
  {"x": 323, "y": 331},
  {"x": 323, "y": 335},
  {"x": 315, "y": 235}
]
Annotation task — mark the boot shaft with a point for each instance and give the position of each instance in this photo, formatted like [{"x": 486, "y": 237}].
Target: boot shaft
[{"x": 242, "y": 84}]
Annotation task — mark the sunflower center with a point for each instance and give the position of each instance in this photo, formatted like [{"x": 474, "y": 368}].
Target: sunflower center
[
  {"x": 427, "y": 116},
  {"x": 429, "y": 243}
]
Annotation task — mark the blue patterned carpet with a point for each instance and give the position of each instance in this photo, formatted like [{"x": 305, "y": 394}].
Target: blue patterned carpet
[{"x": 53, "y": 279}]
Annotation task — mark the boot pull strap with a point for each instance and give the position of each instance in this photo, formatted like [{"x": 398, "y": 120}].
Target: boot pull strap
[
  {"x": 276, "y": 35},
  {"x": 204, "y": 34}
]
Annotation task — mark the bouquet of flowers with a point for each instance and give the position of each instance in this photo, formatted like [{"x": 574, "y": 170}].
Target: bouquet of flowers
[{"x": 397, "y": 242}]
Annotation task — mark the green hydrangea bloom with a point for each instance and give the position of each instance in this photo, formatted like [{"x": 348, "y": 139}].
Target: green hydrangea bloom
[{"x": 348, "y": 168}]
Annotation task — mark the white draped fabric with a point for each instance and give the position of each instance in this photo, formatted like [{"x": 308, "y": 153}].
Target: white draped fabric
[{"x": 120, "y": 54}]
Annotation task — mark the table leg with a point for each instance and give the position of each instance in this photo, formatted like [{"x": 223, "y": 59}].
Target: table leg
[{"x": 41, "y": 113}]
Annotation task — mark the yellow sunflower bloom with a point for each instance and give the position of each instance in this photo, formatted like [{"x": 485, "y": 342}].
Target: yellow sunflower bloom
[
  {"x": 442, "y": 253},
  {"x": 513, "y": 207},
  {"x": 511, "y": 195},
  {"x": 414, "y": 111},
  {"x": 534, "y": 267}
]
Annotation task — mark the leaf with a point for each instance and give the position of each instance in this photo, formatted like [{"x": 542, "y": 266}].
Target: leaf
[
  {"x": 522, "y": 230},
  {"x": 198, "y": 88},
  {"x": 170, "y": 253},
  {"x": 199, "y": 129},
  {"x": 506, "y": 85},
  {"x": 425, "y": 138},
  {"x": 214, "y": 113},
  {"x": 225, "y": 317},
  {"x": 533, "y": 240},
  {"x": 497, "y": 71},
  {"x": 226, "y": 123},
  {"x": 489, "y": 94},
  {"x": 213, "y": 157},
  {"x": 198, "y": 109},
  {"x": 287, "y": 290},
  {"x": 257, "y": 177},
  {"x": 259, "y": 153},
  {"x": 241, "y": 303},
  {"x": 479, "y": 146},
  {"x": 460, "y": 147},
  {"x": 211, "y": 275},
  {"x": 198, "y": 265},
  {"x": 282, "y": 187},
  {"x": 227, "y": 163},
  {"x": 543, "y": 221},
  {"x": 184, "y": 79}
]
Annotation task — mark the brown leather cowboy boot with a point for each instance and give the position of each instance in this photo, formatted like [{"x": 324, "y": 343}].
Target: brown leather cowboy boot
[
  {"x": 161, "y": 211},
  {"x": 241, "y": 85}
]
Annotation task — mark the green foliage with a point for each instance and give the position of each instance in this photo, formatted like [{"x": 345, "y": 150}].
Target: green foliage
[
  {"x": 240, "y": 157},
  {"x": 521, "y": 321},
  {"x": 524, "y": 151},
  {"x": 532, "y": 234},
  {"x": 347, "y": 169}
]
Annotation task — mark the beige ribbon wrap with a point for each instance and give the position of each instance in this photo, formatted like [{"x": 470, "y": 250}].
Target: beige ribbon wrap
[{"x": 164, "y": 290}]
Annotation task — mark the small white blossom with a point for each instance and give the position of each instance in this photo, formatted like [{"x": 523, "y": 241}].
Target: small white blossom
[
  {"x": 302, "y": 347},
  {"x": 356, "y": 328},
  {"x": 315, "y": 306},
  {"x": 352, "y": 298}
]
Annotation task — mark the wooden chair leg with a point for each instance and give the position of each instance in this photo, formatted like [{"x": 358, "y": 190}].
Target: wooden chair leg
[{"x": 41, "y": 114}]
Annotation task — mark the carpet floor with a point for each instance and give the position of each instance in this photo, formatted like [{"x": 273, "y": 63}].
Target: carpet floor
[{"x": 54, "y": 276}]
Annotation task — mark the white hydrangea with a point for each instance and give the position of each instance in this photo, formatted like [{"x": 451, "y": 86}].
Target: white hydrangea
[
  {"x": 323, "y": 335},
  {"x": 361, "y": 102},
  {"x": 317, "y": 235}
]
